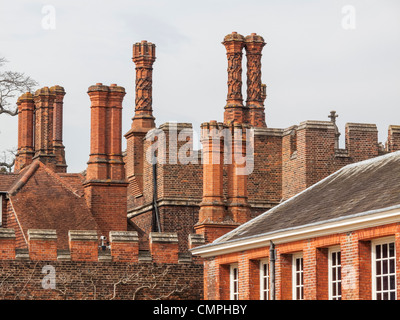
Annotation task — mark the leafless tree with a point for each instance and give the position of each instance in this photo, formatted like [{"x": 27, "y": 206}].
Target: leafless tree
[
  {"x": 7, "y": 160},
  {"x": 12, "y": 84}
]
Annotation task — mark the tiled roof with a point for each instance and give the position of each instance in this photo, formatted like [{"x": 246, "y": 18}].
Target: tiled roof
[
  {"x": 43, "y": 200},
  {"x": 358, "y": 188},
  {"x": 6, "y": 180}
]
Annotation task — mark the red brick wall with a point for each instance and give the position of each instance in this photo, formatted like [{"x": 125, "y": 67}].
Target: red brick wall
[
  {"x": 22, "y": 280},
  {"x": 355, "y": 265},
  {"x": 107, "y": 202}
]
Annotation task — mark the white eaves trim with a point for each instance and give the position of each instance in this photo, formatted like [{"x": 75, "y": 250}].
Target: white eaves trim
[{"x": 328, "y": 227}]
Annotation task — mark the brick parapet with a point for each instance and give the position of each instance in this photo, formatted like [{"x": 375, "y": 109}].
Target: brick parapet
[
  {"x": 87, "y": 246},
  {"x": 124, "y": 246},
  {"x": 7, "y": 244},
  {"x": 164, "y": 247},
  {"x": 42, "y": 244}
]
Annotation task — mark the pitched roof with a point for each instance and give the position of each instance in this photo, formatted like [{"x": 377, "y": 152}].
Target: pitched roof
[
  {"x": 6, "y": 180},
  {"x": 41, "y": 199},
  {"x": 360, "y": 188}
]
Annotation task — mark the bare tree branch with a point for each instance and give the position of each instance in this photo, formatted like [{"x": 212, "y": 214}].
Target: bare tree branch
[
  {"x": 12, "y": 84},
  {"x": 7, "y": 162}
]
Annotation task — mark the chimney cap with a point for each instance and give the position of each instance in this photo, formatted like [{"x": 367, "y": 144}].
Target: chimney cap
[
  {"x": 57, "y": 89},
  {"x": 115, "y": 88},
  {"x": 98, "y": 87},
  {"x": 254, "y": 37},
  {"x": 234, "y": 36},
  {"x": 45, "y": 91},
  {"x": 25, "y": 96}
]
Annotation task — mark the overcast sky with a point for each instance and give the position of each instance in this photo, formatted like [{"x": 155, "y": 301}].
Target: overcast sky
[{"x": 312, "y": 63}]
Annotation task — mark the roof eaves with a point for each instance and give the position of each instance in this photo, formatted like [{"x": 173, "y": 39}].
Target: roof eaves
[
  {"x": 336, "y": 173},
  {"x": 274, "y": 235}
]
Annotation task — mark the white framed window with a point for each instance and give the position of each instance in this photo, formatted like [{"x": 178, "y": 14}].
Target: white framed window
[
  {"x": 335, "y": 273},
  {"x": 383, "y": 269},
  {"x": 234, "y": 281},
  {"x": 264, "y": 280},
  {"x": 297, "y": 277}
]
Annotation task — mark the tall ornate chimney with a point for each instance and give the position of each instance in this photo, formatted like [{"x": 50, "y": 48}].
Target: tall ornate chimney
[
  {"x": 234, "y": 109},
  {"x": 144, "y": 55},
  {"x": 255, "y": 90}
]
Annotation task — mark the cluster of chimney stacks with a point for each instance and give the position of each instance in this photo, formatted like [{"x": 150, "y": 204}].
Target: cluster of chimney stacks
[
  {"x": 40, "y": 129},
  {"x": 40, "y": 136},
  {"x": 235, "y": 111}
]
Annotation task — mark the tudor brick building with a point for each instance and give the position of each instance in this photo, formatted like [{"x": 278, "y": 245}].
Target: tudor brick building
[
  {"x": 154, "y": 211},
  {"x": 338, "y": 239}
]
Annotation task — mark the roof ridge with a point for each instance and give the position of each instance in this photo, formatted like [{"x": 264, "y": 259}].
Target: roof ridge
[
  {"x": 54, "y": 175},
  {"x": 30, "y": 171}
]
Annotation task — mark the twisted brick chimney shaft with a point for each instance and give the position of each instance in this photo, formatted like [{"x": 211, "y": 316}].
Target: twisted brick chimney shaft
[
  {"x": 255, "y": 90},
  {"x": 234, "y": 110},
  {"x": 144, "y": 55},
  {"x": 253, "y": 113}
]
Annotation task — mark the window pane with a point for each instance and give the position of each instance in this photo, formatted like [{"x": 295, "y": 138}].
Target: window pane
[
  {"x": 392, "y": 296},
  {"x": 378, "y": 251},
  {"x": 384, "y": 250},
  {"x": 391, "y": 266},
  {"x": 392, "y": 282},
  {"x": 391, "y": 249},
  {"x": 385, "y": 283},
  {"x": 378, "y": 283},
  {"x": 378, "y": 268},
  {"x": 339, "y": 259},
  {"x": 302, "y": 293},
  {"x": 384, "y": 266}
]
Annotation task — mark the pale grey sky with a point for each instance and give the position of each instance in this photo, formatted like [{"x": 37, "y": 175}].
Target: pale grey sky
[{"x": 311, "y": 64}]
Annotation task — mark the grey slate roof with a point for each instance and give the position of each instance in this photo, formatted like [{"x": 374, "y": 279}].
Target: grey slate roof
[{"x": 358, "y": 188}]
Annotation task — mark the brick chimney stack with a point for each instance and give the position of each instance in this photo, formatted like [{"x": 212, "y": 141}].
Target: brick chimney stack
[
  {"x": 212, "y": 207},
  {"x": 213, "y": 220},
  {"x": 144, "y": 55},
  {"x": 105, "y": 185},
  {"x": 99, "y": 133},
  {"x": 256, "y": 92},
  {"x": 238, "y": 206},
  {"x": 234, "y": 109},
  {"x": 44, "y": 107},
  {"x": 116, "y": 96},
  {"x": 25, "y": 131},
  {"x": 59, "y": 149}
]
